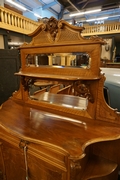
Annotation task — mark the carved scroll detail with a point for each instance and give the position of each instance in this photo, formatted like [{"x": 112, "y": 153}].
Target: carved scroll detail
[
  {"x": 96, "y": 38},
  {"x": 75, "y": 164},
  {"x": 81, "y": 89},
  {"x": 75, "y": 167},
  {"x": 26, "y": 82}
]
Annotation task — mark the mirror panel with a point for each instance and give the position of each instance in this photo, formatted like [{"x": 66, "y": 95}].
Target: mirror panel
[
  {"x": 75, "y": 59},
  {"x": 52, "y": 94},
  {"x": 75, "y": 95}
]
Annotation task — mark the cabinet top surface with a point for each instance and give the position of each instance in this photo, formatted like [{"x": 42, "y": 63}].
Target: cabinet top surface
[{"x": 66, "y": 134}]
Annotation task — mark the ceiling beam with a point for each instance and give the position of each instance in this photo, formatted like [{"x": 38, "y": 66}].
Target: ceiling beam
[
  {"x": 60, "y": 15},
  {"x": 50, "y": 9},
  {"x": 25, "y": 5},
  {"x": 46, "y": 6},
  {"x": 73, "y": 5}
]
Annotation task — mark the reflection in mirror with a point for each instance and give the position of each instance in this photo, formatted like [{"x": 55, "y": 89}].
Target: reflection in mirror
[
  {"x": 59, "y": 94},
  {"x": 74, "y": 59},
  {"x": 75, "y": 95}
]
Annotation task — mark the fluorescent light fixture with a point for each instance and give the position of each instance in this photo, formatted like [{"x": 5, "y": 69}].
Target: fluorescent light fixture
[
  {"x": 96, "y": 19},
  {"x": 16, "y": 4},
  {"x": 114, "y": 16},
  {"x": 116, "y": 75},
  {"x": 92, "y": 11},
  {"x": 86, "y": 12},
  {"x": 37, "y": 15},
  {"x": 15, "y": 43},
  {"x": 23, "y": 8}
]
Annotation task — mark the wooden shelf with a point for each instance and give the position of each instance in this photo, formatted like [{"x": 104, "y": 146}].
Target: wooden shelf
[
  {"x": 56, "y": 77},
  {"x": 98, "y": 167}
]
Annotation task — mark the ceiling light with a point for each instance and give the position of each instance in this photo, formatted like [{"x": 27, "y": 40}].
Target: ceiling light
[
  {"x": 96, "y": 19},
  {"x": 86, "y": 12},
  {"x": 114, "y": 16},
  {"x": 18, "y": 5},
  {"x": 116, "y": 74},
  {"x": 37, "y": 15}
]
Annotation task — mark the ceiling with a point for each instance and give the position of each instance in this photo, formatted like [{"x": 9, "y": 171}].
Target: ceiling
[
  {"x": 79, "y": 5},
  {"x": 63, "y": 8}
]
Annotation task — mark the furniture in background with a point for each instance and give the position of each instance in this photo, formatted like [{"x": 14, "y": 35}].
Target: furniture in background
[{"x": 9, "y": 64}]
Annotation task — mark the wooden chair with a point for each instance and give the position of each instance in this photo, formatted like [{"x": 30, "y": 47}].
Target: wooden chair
[
  {"x": 65, "y": 90},
  {"x": 37, "y": 93},
  {"x": 55, "y": 88}
]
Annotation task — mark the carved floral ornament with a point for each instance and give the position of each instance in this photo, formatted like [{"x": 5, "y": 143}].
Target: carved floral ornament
[
  {"x": 82, "y": 89},
  {"x": 53, "y": 25}
]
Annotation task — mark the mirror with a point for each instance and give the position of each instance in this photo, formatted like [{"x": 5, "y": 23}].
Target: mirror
[
  {"x": 48, "y": 91},
  {"x": 75, "y": 59},
  {"x": 75, "y": 95}
]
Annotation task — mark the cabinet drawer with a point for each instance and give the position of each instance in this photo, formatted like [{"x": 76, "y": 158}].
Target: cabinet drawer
[
  {"x": 45, "y": 153},
  {"x": 39, "y": 170}
]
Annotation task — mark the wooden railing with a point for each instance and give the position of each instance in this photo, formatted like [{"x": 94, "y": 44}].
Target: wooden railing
[
  {"x": 15, "y": 22},
  {"x": 112, "y": 28}
]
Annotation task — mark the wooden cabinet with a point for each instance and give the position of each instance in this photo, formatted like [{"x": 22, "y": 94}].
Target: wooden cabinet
[
  {"x": 22, "y": 160},
  {"x": 65, "y": 135},
  {"x": 13, "y": 160},
  {"x": 13, "y": 163},
  {"x": 2, "y": 170},
  {"x": 52, "y": 148},
  {"x": 45, "y": 164},
  {"x": 40, "y": 169},
  {"x": 28, "y": 165}
]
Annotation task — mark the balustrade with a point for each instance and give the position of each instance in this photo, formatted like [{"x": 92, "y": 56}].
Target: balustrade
[
  {"x": 15, "y": 22},
  {"x": 102, "y": 29}
]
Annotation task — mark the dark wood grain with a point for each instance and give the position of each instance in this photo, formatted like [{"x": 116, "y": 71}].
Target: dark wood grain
[{"x": 63, "y": 132}]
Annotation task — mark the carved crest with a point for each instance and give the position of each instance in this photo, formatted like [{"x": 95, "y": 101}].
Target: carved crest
[{"x": 52, "y": 27}]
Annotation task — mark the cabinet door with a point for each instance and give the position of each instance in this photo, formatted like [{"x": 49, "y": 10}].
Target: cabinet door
[
  {"x": 2, "y": 169},
  {"x": 14, "y": 162},
  {"x": 42, "y": 170}
]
